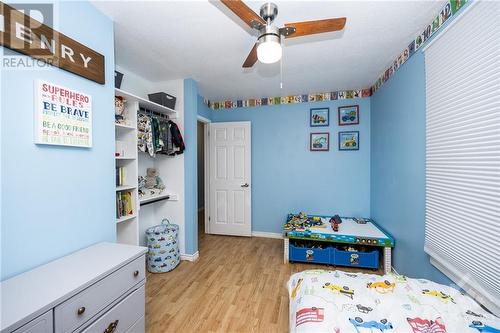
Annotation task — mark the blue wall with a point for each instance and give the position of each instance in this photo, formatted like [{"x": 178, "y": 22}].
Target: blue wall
[
  {"x": 56, "y": 200},
  {"x": 287, "y": 177},
  {"x": 203, "y": 109},
  {"x": 398, "y": 167},
  {"x": 191, "y": 165}
]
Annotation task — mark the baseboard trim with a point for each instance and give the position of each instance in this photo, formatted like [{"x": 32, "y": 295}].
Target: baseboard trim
[
  {"x": 190, "y": 257},
  {"x": 267, "y": 234}
]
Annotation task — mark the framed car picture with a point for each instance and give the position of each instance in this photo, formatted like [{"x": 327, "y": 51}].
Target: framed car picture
[
  {"x": 348, "y": 115},
  {"x": 349, "y": 140},
  {"x": 319, "y": 142},
  {"x": 320, "y": 117}
]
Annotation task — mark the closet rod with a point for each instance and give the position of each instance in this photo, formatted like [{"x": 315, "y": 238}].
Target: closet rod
[{"x": 146, "y": 111}]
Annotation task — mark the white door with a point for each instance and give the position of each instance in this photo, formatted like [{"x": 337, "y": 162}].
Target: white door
[{"x": 230, "y": 179}]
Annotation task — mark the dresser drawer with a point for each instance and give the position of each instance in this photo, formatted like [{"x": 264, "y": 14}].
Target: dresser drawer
[
  {"x": 122, "y": 316},
  {"x": 139, "y": 326},
  {"x": 41, "y": 324},
  {"x": 77, "y": 310}
]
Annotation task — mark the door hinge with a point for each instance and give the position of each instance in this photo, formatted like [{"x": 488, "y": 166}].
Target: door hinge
[{"x": 209, "y": 218}]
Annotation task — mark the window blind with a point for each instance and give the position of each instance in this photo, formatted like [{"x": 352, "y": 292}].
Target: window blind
[{"x": 462, "y": 231}]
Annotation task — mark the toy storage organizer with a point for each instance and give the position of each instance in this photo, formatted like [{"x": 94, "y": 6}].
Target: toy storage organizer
[{"x": 366, "y": 257}]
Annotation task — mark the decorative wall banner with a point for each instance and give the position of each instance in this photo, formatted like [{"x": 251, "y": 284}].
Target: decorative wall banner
[
  {"x": 293, "y": 99},
  {"x": 449, "y": 9},
  {"x": 62, "y": 116},
  {"x": 23, "y": 34}
]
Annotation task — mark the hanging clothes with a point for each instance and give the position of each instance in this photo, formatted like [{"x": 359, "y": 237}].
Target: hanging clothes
[
  {"x": 177, "y": 138},
  {"x": 167, "y": 146},
  {"x": 156, "y": 134},
  {"x": 144, "y": 132}
]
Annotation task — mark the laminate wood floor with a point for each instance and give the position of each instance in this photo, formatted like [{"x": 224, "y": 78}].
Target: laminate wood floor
[{"x": 237, "y": 285}]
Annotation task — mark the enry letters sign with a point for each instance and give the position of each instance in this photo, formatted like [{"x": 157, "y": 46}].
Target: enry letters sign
[{"x": 26, "y": 35}]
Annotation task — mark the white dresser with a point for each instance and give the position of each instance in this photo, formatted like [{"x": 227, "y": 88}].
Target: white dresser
[{"x": 97, "y": 289}]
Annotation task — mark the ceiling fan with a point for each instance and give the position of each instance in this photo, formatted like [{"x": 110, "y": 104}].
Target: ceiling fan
[{"x": 268, "y": 49}]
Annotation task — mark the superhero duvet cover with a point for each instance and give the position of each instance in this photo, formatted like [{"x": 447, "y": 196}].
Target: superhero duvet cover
[{"x": 337, "y": 302}]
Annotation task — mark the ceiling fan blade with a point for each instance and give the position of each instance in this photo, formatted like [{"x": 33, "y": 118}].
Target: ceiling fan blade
[
  {"x": 252, "y": 57},
  {"x": 315, "y": 27},
  {"x": 245, "y": 13}
]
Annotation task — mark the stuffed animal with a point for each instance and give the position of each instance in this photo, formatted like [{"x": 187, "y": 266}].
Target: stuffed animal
[
  {"x": 119, "y": 109},
  {"x": 153, "y": 180}
]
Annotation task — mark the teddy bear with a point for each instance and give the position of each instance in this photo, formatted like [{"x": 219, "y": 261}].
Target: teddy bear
[
  {"x": 119, "y": 109},
  {"x": 153, "y": 180}
]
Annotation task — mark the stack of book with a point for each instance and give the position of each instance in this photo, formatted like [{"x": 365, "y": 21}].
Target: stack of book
[
  {"x": 120, "y": 176},
  {"x": 124, "y": 204}
]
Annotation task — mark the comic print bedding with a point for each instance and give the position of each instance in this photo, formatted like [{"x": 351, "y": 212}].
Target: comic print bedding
[{"x": 338, "y": 302}]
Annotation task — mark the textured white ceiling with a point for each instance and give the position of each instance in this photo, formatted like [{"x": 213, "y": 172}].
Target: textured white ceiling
[{"x": 164, "y": 40}]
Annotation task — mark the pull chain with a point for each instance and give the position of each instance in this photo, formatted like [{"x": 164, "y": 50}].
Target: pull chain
[{"x": 281, "y": 65}]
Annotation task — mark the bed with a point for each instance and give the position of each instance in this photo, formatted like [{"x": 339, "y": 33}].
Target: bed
[{"x": 336, "y": 301}]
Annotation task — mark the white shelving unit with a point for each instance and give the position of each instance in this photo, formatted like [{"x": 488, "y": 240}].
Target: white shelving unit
[{"x": 129, "y": 228}]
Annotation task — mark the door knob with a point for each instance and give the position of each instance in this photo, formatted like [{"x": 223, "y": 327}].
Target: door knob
[{"x": 245, "y": 185}]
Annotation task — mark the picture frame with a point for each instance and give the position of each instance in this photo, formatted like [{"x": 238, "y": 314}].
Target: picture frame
[
  {"x": 349, "y": 140},
  {"x": 348, "y": 115},
  {"x": 319, "y": 117},
  {"x": 319, "y": 141}
]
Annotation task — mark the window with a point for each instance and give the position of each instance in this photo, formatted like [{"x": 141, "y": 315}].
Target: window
[{"x": 462, "y": 233}]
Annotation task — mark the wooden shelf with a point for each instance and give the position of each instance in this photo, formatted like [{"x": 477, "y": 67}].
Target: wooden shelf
[
  {"x": 124, "y": 127},
  {"x": 154, "y": 198},
  {"x": 125, "y": 187},
  {"x": 125, "y": 218},
  {"x": 144, "y": 103}
]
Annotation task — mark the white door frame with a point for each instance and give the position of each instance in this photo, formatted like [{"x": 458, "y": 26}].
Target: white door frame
[{"x": 206, "y": 170}]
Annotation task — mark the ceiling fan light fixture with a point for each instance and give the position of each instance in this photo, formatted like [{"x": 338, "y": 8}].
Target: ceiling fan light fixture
[
  {"x": 269, "y": 49},
  {"x": 269, "y": 52}
]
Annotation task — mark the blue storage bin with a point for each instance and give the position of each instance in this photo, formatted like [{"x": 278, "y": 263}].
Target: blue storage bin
[
  {"x": 307, "y": 254},
  {"x": 356, "y": 259},
  {"x": 163, "y": 244}
]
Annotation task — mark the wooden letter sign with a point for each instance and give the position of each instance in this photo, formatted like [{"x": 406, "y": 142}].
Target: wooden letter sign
[{"x": 23, "y": 34}]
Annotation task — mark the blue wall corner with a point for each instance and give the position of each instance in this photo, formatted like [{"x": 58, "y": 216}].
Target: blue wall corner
[
  {"x": 398, "y": 167},
  {"x": 287, "y": 177},
  {"x": 203, "y": 109},
  {"x": 190, "y": 165},
  {"x": 55, "y": 199}
]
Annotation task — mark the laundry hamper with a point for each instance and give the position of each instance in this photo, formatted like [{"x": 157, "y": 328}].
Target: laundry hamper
[{"x": 163, "y": 244}]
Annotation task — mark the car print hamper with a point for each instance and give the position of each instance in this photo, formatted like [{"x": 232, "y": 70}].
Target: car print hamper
[{"x": 163, "y": 245}]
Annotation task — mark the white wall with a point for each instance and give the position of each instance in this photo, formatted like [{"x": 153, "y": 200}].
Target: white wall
[{"x": 134, "y": 83}]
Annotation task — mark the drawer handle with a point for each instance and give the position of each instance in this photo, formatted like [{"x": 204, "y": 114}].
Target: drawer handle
[
  {"x": 112, "y": 327},
  {"x": 136, "y": 273},
  {"x": 81, "y": 310}
]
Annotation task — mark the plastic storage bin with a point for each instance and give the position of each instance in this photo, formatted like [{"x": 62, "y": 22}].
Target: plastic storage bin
[
  {"x": 163, "y": 99},
  {"x": 356, "y": 259},
  {"x": 163, "y": 255},
  {"x": 309, "y": 254}
]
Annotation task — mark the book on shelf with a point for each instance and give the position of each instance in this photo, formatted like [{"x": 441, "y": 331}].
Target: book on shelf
[
  {"x": 124, "y": 205},
  {"x": 120, "y": 176}
]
